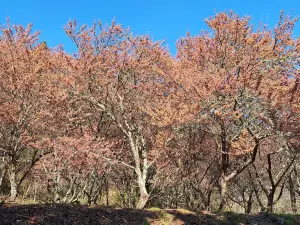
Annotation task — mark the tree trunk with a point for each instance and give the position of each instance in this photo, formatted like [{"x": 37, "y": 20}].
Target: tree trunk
[
  {"x": 1, "y": 177},
  {"x": 13, "y": 184},
  {"x": 141, "y": 167},
  {"x": 224, "y": 183},
  {"x": 270, "y": 200},
  {"x": 106, "y": 192},
  {"x": 207, "y": 202},
  {"x": 292, "y": 194},
  {"x": 249, "y": 203},
  {"x": 144, "y": 196}
]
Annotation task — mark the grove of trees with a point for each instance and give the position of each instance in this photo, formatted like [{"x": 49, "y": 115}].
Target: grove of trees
[{"x": 123, "y": 123}]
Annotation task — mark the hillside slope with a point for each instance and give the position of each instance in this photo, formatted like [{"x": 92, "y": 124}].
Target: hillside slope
[{"x": 56, "y": 214}]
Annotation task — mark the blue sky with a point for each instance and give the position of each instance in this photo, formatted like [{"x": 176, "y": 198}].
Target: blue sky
[{"x": 161, "y": 19}]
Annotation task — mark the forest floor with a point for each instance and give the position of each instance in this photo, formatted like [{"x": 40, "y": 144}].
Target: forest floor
[{"x": 56, "y": 214}]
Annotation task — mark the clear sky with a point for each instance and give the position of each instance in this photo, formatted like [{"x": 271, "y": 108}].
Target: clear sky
[{"x": 161, "y": 19}]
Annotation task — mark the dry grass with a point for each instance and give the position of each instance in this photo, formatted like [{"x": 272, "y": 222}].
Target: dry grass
[{"x": 56, "y": 214}]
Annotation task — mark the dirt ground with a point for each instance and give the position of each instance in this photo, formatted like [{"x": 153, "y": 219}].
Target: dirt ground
[{"x": 56, "y": 214}]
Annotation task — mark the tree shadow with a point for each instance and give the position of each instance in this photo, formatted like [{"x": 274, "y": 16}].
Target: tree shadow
[
  {"x": 72, "y": 214},
  {"x": 230, "y": 218},
  {"x": 66, "y": 214},
  {"x": 190, "y": 218}
]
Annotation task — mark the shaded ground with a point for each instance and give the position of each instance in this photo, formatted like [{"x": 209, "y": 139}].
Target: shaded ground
[{"x": 56, "y": 214}]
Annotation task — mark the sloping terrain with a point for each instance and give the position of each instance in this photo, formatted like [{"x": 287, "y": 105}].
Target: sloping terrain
[{"x": 56, "y": 214}]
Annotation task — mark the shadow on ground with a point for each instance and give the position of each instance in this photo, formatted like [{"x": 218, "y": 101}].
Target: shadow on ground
[
  {"x": 230, "y": 218},
  {"x": 58, "y": 214}
]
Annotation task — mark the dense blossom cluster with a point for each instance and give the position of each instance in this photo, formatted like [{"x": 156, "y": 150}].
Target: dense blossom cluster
[{"x": 122, "y": 122}]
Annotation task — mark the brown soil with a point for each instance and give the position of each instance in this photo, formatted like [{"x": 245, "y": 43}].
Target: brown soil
[{"x": 56, "y": 214}]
